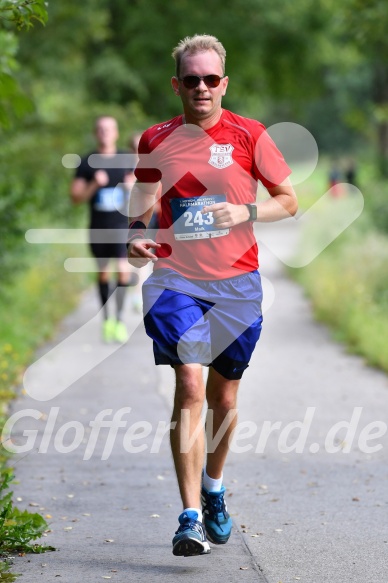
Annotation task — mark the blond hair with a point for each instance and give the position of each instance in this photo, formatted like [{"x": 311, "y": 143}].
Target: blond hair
[{"x": 198, "y": 43}]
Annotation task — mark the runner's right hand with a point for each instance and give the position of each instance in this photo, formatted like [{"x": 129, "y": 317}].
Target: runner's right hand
[{"x": 139, "y": 253}]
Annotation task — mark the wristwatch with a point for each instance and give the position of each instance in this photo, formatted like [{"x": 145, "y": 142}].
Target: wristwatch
[{"x": 252, "y": 212}]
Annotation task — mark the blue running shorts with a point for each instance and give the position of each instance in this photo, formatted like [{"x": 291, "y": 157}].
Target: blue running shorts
[{"x": 213, "y": 323}]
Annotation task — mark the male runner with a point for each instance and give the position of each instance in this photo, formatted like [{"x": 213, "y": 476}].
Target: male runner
[
  {"x": 104, "y": 182},
  {"x": 202, "y": 304}
]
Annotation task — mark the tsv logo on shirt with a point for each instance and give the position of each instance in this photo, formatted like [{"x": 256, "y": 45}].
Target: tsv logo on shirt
[{"x": 221, "y": 155}]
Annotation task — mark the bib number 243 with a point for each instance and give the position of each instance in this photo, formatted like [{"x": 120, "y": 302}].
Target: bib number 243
[{"x": 198, "y": 218}]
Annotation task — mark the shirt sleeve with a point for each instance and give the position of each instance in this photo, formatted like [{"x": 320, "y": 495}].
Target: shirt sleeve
[
  {"x": 145, "y": 172},
  {"x": 84, "y": 170},
  {"x": 269, "y": 164}
]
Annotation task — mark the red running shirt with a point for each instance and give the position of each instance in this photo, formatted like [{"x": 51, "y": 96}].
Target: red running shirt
[{"x": 224, "y": 162}]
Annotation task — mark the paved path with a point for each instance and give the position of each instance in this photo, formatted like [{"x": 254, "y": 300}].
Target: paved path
[{"x": 308, "y": 516}]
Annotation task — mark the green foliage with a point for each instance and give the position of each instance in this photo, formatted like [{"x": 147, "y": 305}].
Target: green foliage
[
  {"x": 17, "y": 14},
  {"x": 359, "y": 34},
  {"x": 18, "y": 528},
  {"x": 315, "y": 63},
  {"x": 5, "y": 565},
  {"x": 30, "y": 308},
  {"x": 10, "y": 367},
  {"x": 22, "y": 13},
  {"x": 267, "y": 46},
  {"x": 375, "y": 191},
  {"x": 32, "y": 305},
  {"x": 348, "y": 284},
  {"x": 12, "y": 100}
]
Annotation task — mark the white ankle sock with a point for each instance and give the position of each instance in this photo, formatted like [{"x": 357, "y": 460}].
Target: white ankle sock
[
  {"x": 211, "y": 484},
  {"x": 197, "y": 510}
]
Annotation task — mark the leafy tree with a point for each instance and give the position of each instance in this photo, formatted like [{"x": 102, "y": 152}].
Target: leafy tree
[
  {"x": 14, "y": 16},
  {"x": 22, "y": 13},
  {"x": 322, "y": 64},
  {"x": 364, "y": 25}
]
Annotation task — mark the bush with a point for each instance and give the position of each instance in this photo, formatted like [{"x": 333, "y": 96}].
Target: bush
[
  {"x": 348, "y": 286},
  {"x": 18, "y": 528}
]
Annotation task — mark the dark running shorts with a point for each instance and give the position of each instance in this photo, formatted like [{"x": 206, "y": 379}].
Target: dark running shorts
[
  {"x": 108, "y": 242},
  {"x": 108, "y": 250},
  {"x": 213, "y": 323}
]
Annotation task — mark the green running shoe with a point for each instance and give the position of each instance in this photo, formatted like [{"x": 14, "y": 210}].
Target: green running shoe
[
  {"x": 120, "y": 332},
  {"x": 108, "y": 330}
]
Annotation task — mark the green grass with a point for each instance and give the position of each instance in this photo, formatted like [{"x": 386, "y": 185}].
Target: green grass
[
  {"x": 348, "y": 286},
  {"x": 311, "y": 189},
  {"x": 31, "y": 306}
]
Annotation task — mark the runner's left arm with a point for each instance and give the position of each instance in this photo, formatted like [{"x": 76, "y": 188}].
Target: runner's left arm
[{"x": 281, "y": 204}]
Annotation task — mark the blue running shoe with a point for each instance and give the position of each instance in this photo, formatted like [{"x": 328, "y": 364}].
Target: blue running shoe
[
  {"x": 190, "y": 538},
  {"x": 216, "y": 519}
]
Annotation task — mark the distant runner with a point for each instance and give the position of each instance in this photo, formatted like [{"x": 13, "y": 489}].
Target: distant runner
[{"x": 105, "y": 185}]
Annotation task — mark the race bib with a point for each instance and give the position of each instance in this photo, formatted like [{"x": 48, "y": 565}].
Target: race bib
[
  {"x": 190, "y": 223},
  {"x": 109, "y": 199}
]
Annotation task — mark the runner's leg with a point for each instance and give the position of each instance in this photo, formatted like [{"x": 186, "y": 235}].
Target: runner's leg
[
  {"x": 103, "y": 284},
  {"x": 124, "y": 277},
  {"x": 188, "y": 404},
  {"x": 221, "y": 395}
]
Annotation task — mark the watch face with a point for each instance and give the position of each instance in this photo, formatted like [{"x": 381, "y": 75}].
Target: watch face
[{"x": 252, "y": 212}]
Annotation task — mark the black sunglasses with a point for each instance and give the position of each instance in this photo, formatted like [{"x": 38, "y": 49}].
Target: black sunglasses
[{"x": 192, "y": 81}]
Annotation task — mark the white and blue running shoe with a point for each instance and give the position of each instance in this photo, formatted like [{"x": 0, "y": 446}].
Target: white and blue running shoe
[
  {"x": 216, "y": 519},
  {"x": 190, "y": 538}
]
